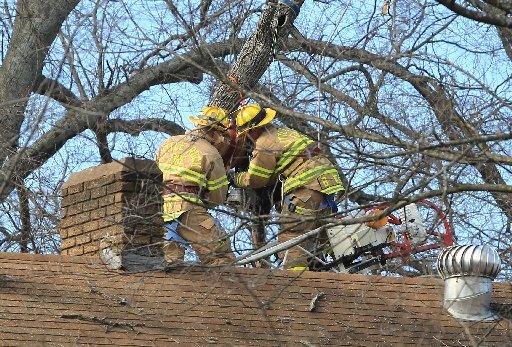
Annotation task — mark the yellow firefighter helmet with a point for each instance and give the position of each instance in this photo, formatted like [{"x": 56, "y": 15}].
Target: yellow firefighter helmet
[
  {"x": 252, "y": 116},
  {"x": 212, "y": 116}
]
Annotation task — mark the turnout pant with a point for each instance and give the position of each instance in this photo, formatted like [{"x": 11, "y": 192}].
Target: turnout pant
[
  {"x": 200, "y": 231},
  {"x": 302, "y": 211}
]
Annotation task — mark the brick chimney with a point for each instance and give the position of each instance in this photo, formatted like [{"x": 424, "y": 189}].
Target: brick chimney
[{"x": 114, "y": 211}]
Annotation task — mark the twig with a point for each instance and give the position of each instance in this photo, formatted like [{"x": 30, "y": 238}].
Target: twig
[
  {"x": 105, "y": 321},
  {"x": 314, "y": 301}
]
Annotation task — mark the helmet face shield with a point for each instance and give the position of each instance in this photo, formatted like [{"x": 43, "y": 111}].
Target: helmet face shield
[
  {"x": 252, "y": 116},
  {"x": 212, "y": 116}
]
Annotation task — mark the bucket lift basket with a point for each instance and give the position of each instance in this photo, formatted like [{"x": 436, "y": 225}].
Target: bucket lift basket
[
  {"x": 357, "y": 246},
  {"x": 402, "y": 236}
]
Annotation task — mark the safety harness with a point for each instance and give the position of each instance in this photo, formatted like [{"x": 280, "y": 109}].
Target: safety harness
[
  {"x": 300, "y": 149},
  {"x": 176, "y": 188}
]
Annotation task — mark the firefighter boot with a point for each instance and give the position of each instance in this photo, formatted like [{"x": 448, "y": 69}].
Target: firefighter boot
[{"x": 173, "y": 252}]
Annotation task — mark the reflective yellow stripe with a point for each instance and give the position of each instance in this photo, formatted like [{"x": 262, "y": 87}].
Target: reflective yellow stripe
[
  {"x": 168, "y": 216},
  {"x": 295, "y": 149},
  {"x": 305, "y": 211},
  {"x": 218, "y": 183},
  {"x": 194, "y": 176},
  {"x": 333, "y": 189},
  {"x": 172, "y": 215},
  {"x": 305, "y": 177},
  {"x": 259, "y": 171},
  {"x": 324, "y": 180},
  {"x": 238, "y": 179}
]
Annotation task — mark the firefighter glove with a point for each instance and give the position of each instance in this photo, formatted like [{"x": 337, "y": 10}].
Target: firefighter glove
[{"x": 234, "y": 179}]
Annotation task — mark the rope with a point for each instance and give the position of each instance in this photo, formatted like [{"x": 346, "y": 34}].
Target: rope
[{"x": 242, "y": 98}]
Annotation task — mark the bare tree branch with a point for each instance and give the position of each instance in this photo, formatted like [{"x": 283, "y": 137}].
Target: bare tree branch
[{"x": 497, "y": 20}]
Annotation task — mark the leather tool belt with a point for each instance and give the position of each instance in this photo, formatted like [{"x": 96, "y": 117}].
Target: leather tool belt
[{"x": 176, "y": 188}]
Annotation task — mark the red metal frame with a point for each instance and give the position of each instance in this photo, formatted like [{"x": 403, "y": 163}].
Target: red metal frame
[{"x": 404, "y": 249}]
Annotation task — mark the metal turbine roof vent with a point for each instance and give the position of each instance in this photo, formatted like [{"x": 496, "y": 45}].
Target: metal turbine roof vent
[
  {"x": 468, "y": 272},
  {"x": 468, "y": 261}
]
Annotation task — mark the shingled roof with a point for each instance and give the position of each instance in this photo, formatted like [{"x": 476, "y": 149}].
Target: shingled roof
[{"x": 64, "y": 300}]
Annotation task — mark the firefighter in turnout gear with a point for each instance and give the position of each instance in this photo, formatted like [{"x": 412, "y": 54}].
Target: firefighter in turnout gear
[
  {"x": 309, "y": 179},
  {"x": 194, "y": 178}
]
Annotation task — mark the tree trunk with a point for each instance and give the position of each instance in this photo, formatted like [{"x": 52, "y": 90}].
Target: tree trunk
[
  {"x": 23, "y": 198},
  {"x": 257, "y": 53},
  {"x": 36, "y": 26}
]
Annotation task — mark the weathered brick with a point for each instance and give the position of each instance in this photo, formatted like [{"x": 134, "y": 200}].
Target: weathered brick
[
  {"x": 74, "y": 231},
  {"x": 136, "y": 241},
  {"x": 152, "y": 229},
  {"x": 90, "y": 205},
  {"x": 90, "y": 226},
  {"x": 133, "y": 220},
  {"x": 97, "y": 235},
  {"x": 120, "y": 197},
  {"x": 112, "y": 230},
  {"x": 74, "y": 220},
  {"x": 113, "y": 198},
  {"x": 83, "y": 238},
  {"x": 68, "y": 243},
  {"x": 147, "y": 210},
  {"x": 106, "y": 200},
  {"x": 77, "y": 250},
  {"x": 114, "y": 239},
  {"x": 75, "y": 198},
  {"x": 100, "y": 182},
  {"x": 117, "y": 187},
  {"x": 106, "y": 222},
  {"x": 98, "y": 192},
  {"x": 63, "y": 233},
  {"x": 75, "y": 189},
  {"x": 114, "y": 209},
  {"x": 131, "y": 176},
  {"x": 98, "y": 213},
  {"x": 74, "y": 209},
  {"x": 81, "y": 218},
  {"x": 67, "y": 223},
  {"x": 91, "y": 248}
]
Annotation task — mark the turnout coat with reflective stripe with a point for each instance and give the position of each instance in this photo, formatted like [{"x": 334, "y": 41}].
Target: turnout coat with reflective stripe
[
  {"x": 283, "y": 151},
  {"x": 189, "y": 160}
]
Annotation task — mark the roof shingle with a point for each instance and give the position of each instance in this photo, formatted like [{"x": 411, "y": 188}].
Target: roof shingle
[{"x": 65, "y": 300}]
